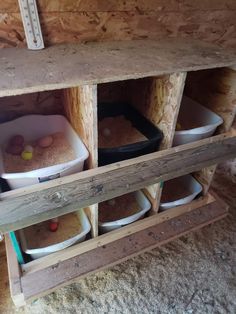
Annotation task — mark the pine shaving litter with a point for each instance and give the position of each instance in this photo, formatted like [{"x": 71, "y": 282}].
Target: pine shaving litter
[
  {"x": 124, "y": 206},
  {"x": 121, "y": 132},
  {"x": 40, "y": 236},
  {"x": 59, "y": 152}
]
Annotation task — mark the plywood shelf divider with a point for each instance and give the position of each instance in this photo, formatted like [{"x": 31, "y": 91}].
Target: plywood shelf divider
[
  {"x": 64, "y": 195},
  {"x": 80, "y": 105},
  {"x": 49, "y": 278},
  {"x": 159, "y": 102},
  {"x": 216, "y": 90},
  {"x": 64, "y": 66}
]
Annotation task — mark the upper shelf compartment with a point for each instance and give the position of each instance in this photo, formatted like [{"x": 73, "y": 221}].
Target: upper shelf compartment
[{"x": 24, "y": 71}]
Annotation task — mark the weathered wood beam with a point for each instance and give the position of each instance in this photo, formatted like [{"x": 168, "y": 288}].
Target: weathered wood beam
[
  {"x": 95, "y": 63},
  {"x": 27, "y": 206}
]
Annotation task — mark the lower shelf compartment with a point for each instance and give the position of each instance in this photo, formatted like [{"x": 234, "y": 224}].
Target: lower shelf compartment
[{"x": 83, "y": 259}]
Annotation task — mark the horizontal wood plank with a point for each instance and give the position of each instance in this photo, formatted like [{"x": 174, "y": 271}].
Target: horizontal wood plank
[
  {"x": 26, "y": 206},
  {"x": 95, "y": 63},
  {"x": 50, "y": 278}
]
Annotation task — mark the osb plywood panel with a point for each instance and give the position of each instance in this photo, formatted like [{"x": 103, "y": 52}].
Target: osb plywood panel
[
  {"x": 81, "y": 110},
  {"x": 35, "y": 103},
  {"x": 11, "y": 6},
  {"x": 62, "y": 27}
]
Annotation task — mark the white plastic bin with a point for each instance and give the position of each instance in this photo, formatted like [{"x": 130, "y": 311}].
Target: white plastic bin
[
  {"x": 179, "y": 191},
  {"x": 40, "y": 252},
  {"x": 145, "y": 206},
  {"x": 32, "y": 127},
  {"x": 198, "y": 122}
]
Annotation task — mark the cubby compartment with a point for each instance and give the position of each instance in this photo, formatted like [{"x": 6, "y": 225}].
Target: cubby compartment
[
  {"x": 40, "y": 114},
  {"x": 123, "y": 133},
  {"x": 121, "y": 211},
  {"x": 38, "y": 240},
  {"x": 47, "y": 148},
  {"x": 195, "y": 122},
  {"x": 215, "y": 90},
  {"x": 179, "y": 191}
]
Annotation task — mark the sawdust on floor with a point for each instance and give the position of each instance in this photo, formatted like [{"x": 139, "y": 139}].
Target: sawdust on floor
[{"x": 194, "y": 274}]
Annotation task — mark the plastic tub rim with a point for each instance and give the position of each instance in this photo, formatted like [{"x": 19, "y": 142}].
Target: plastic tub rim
[
  {"x": 62, "y": 245},
  {"x": 53, "y": 169},
  {"x": 131, "y": 218}
]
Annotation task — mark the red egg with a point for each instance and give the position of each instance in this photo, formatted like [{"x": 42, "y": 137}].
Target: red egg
[
  {"x": 53, "y": 226},
  {"x": 17, "y": 140},
  {"x": 14, "y": 149}
]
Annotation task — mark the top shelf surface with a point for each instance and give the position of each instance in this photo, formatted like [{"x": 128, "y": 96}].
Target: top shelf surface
[{"x": 61, "y": 66}]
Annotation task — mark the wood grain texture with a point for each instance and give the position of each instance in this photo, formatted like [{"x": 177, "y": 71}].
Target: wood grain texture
[
  {"x": 81, "y": 109},
  {"x": 114, "y": 235},
  {"x": 14, "y": 274},
  {"x": 50, "y": 278},
  {"x": 158, "y": 99},
  {"x": 94, "y": 63},
  {"x": 30, "y": 205},
  {"x": 216, "y": 26},
  {"x": 36, "y": 103},
  {"x": 216, "y": 90},
  {"x": 11, "y": 6}
]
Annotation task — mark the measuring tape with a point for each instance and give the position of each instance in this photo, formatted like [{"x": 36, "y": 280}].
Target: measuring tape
[{"x": 30, "y": 17}]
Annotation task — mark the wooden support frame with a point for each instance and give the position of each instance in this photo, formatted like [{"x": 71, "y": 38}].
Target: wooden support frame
[
  {"x": 80, "y": 105},
  {"x": 27, "y": 206},
  {"x": 14, "y": 274},
  {"x": 162, "y": 63},
  {"x": 104, "y": 256}
]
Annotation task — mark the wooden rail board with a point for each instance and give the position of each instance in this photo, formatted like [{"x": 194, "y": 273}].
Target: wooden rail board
[
  {"x": 63, "y": 66},
  {"x": 14, "y": 274},
  {"x": 26, "y": 206},
  {"x": 50, "y": 278}
]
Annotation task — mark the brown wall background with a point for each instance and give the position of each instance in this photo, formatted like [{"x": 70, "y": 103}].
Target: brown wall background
[{"x": 65, "y": 21}]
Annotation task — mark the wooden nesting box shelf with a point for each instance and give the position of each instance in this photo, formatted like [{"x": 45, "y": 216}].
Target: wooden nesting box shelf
[
  {"x": 64, "y": 66},
  {"x": 151, "y": 76}
]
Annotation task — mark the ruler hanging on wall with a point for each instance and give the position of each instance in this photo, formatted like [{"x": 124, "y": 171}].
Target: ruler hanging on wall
[{"x": 30, "y": 17}]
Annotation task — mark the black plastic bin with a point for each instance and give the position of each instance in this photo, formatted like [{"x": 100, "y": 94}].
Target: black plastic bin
[{"x": 114, "y": 154}]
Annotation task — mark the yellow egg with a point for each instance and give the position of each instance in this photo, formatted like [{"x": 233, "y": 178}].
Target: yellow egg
[{"x": 26, "y": 155}]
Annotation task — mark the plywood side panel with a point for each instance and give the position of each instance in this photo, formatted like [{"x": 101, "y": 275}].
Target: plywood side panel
[
  {"x": 35, "y": 103},
  {"x": 158, "y": 99},
  {"x": 11, "y": 6},
  {"x": 216, "y": 90},
  {"x": 81, "y": 110},
  {"x": 69, "y": 27}
]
